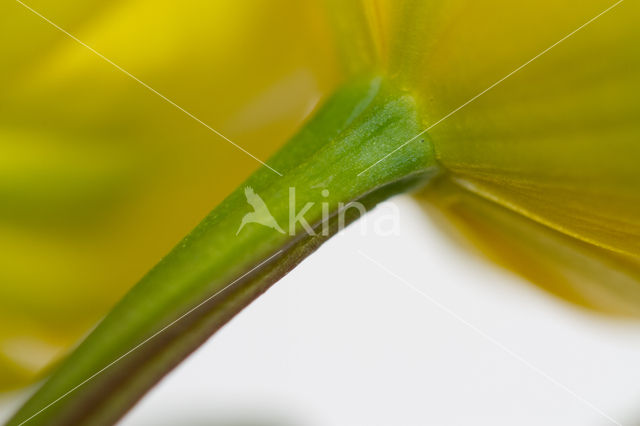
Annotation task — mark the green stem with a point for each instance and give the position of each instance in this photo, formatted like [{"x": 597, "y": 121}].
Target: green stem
[{"x": 214, "y": 273}]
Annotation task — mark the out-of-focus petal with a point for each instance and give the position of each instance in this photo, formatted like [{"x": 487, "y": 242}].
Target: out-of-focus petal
[
  {"x": 579, "y": 272},
  {"x": 100, "y": 177}
]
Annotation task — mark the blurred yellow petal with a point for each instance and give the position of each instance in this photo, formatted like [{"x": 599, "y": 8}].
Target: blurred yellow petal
[
  {"x": 579, "y": 272},
  {"x": 99, "y": 176}
]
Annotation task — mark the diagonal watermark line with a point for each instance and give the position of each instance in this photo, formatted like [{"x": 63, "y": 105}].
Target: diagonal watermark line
[
  {"x": 490, "y": 339},
  {"x": 100, "y": 55},
  {"x": 493, "y": 85},
  {"x": 172, "y": 323}
]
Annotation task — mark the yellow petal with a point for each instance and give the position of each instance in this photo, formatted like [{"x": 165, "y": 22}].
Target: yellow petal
[
  {"x": 579, "y": 272},
  {"x": 557, "y": 141}
]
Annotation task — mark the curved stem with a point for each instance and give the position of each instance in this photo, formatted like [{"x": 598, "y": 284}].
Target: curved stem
[{"x": 242, "y": 247}]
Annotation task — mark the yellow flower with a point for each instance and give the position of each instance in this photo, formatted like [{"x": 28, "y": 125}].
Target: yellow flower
[
  {"x": 557, "y": 142},
  {"x": 533, "y": 111},
  {"x": 100, "y": 176}
]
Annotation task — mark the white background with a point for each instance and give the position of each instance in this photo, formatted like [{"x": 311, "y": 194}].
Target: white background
[{"x": 340, "y": 341}]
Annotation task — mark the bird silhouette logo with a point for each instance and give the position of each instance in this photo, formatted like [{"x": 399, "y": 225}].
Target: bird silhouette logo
[{"x": 260, "y": 213}]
